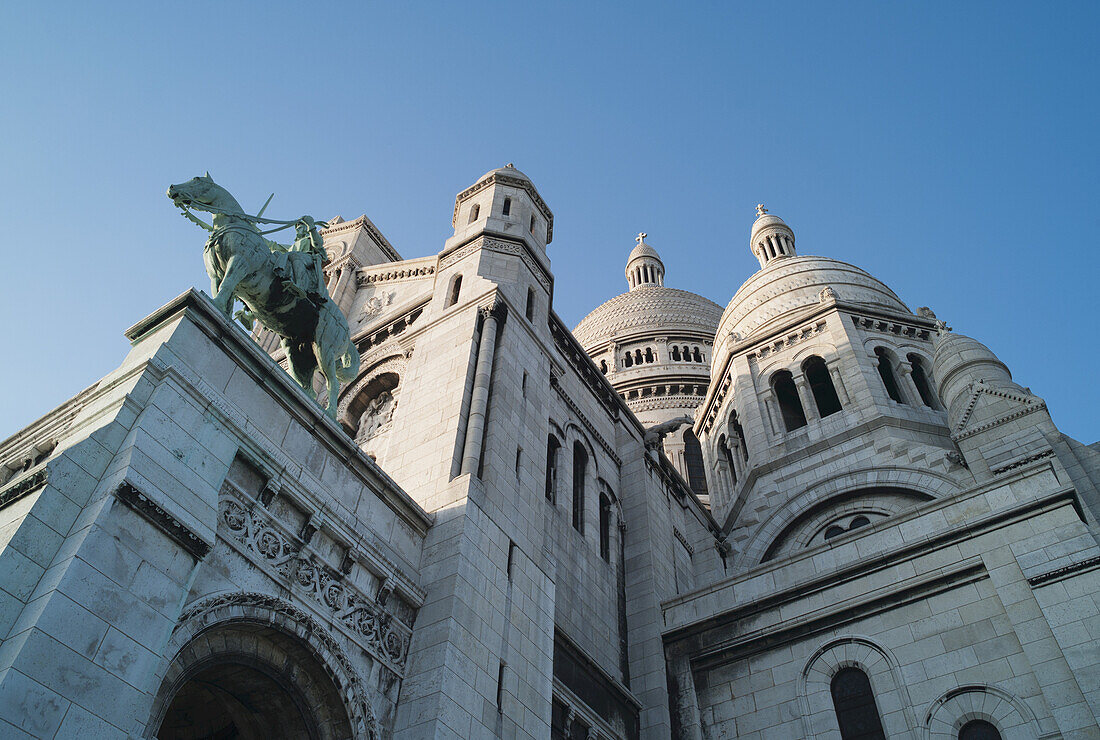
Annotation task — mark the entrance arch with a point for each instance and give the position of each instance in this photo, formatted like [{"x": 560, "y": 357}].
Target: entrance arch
[{"x": 251, "y": 666}]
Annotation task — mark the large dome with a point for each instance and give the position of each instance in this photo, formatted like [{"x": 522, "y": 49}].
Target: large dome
[
  {"x": 788, "y": 285},
  {"x": 648, "y": 310}
]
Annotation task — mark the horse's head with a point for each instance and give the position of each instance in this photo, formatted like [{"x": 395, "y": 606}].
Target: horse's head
[{"x": 202, "y": 191}]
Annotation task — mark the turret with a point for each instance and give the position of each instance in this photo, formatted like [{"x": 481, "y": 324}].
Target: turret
[
  {"x": 503, "y": 202},
  {"x": 995, "y": 422},
  {"x": 644, "y": 267},
  {"x": 771, "y": 238}
]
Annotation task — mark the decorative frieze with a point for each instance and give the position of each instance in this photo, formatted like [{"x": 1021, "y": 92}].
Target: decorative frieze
[
  {"x": 501, "y": 246},
  {"x": 789, "y": 339},
  {"x": 896, "y": 328},
  {"x": 288, "y": 558},
  {"x": 390, "y": 274},
  {"x": 373, "y": 337}
]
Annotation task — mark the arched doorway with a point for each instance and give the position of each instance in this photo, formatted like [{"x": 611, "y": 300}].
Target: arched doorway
[
  {"x": 247, "y": 681},
  {"x": 236, "y": 698}
]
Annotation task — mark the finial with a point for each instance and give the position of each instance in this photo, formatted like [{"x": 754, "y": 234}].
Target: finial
[
  {"x": 760, "y": 209},
  {"x": 510, "y": 165},
  {"x": 641, "y": 235}
]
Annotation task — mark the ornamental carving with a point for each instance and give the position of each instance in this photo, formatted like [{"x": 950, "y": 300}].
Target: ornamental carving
[
  {"x": 383, "y": 636},
  {"x": 376, "y": 304}
]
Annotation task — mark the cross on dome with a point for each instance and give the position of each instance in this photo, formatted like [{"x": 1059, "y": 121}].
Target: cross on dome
[
  {"x": 641, "y": 235},
  {"x": 760, "y": 209}
]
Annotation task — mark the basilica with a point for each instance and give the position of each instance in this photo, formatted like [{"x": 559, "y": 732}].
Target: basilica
[{"x": 815, "y": 512}]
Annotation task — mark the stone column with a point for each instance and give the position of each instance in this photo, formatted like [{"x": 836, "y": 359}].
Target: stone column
[
  {"x": 841, "y": 391},
  {"x": 905, "y": 370},
  {"x": 768, "y": 397},
  {"x": 479, "y": 397},
  {"x": 809, "y": 405}
]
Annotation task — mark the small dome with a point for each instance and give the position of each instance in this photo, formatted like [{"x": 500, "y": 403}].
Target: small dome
[
  {"x": 642, "y": 250},
  {"x": 648, "y": 310},
  {"x": 763, "y": 221},
  {"x": 508, "y": 170}
]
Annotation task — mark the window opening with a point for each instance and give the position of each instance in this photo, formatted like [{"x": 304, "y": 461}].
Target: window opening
[
  {"x": 507, "y": 211},
  {"x": 693, "y": 461},
  {"x": 920, "y": 379},
  {"x": 456, "y": 289},
  {"x": 854, "y": 702},
  {"x": 580, "y": 469},
  {"x": 979, "y": 729},
  {"x": 474, "y": 212},
  {"x": 821, "y": 385},
  {"x": 552, "y": 447},
  {"x": 790, "y": 406},
  {"x": 886, "y": 372},
  {"x": 605, "y": 527}
]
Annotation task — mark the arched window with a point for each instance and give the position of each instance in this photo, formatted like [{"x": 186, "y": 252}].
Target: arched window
[
  {"x": 638, "y": 356},
  {"x": 693, "y": 461},
  {"x": 530, "y": 304},
  {"x": 739, "y": 433},
  {"x": 817, "y": 375},
  {"x": 695, "y": 354},
  {"x": 532, "y": 227},
  {"x": 474, "y": 212},
  {"x": 724, "y": 448},
  {"x": 675, "y": 353},
  {"x": 649, "y": 354},
  {"x": 856, "y": 712},
  {"x": 552, "y": 447},
  {"x": 507, "y": 211},
  {"x": 456, "y": 289},
  {"x": 790, "y": 406},
  {"x": 979, "y": 729},
  {"x": 920, "y": 379},
  {"x": 580, "y": 470},
  {"x": 605, "y": 527},
  {"x": 886, "y": 372},
  {"x": 603, "y": 366},
  {"x": 628, "y": 360}
]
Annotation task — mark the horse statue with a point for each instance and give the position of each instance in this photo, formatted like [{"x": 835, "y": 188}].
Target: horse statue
[{"x": 282, "y": 287}]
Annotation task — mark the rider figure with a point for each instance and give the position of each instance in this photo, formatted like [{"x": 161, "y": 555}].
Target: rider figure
[{"x": 303, "y": 260}]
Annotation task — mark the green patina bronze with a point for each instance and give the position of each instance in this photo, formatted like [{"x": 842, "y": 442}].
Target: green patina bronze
[{"x": 281, "y": 286}]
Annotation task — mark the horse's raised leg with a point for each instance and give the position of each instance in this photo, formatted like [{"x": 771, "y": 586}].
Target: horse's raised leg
[{"x": 301, "y": 364}]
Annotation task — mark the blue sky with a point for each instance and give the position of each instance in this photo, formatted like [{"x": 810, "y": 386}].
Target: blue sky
[{"x": 950, "y": 149}]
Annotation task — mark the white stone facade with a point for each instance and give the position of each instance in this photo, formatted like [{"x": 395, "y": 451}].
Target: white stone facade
[{"x": 490, "y": 541}]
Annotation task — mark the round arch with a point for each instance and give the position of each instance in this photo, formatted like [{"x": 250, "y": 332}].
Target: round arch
[
  {"x": 265, "y": 664},
  {"x": 882, "y": 670},
  {"x": 927, "y": 482},
  {"x": 1005, "y": 711}
]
